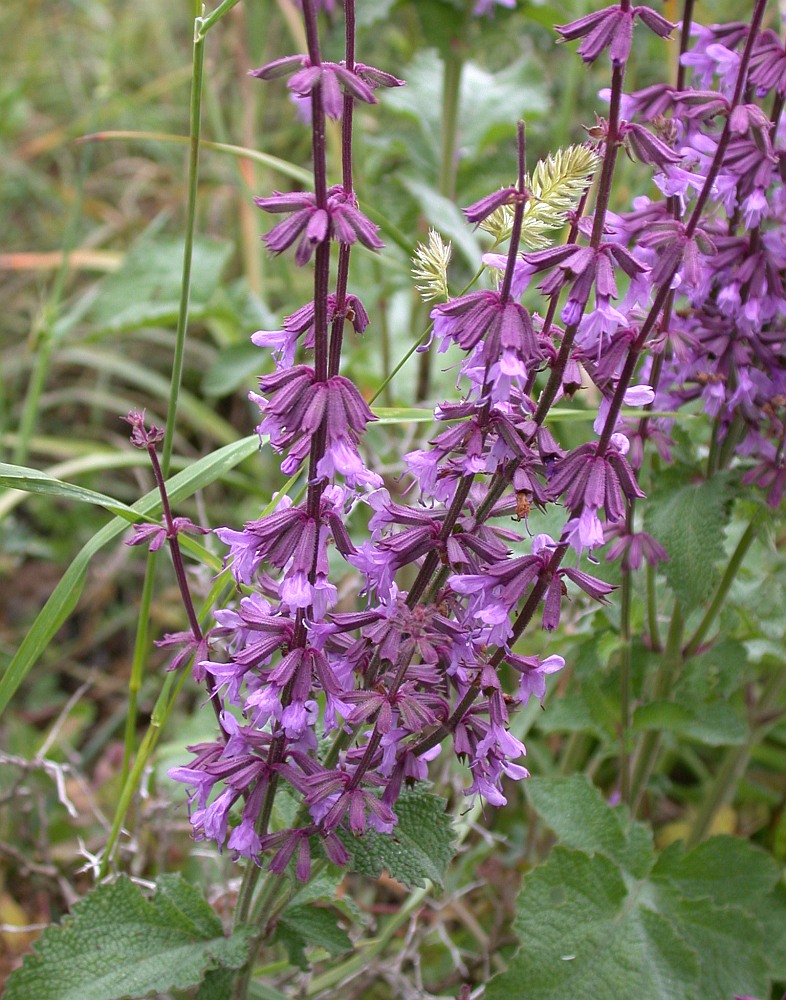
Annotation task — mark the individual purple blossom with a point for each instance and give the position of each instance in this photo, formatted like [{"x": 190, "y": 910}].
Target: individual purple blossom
[
  {"x": 191, "y": 646},
  {"x": 533, "y": 671},
  {"x": 300, "y": 324},
  {"x": 141, "y": 435},
  {"x": 633, "y": 547},
  {"x": 340, "y": 219},
  {"x": 486, "y": 206},
  {"x": 611, "y": 28},
  {"x": 768, "y": 64},
  {"x": 154, "y": 535},
  {"x": 333, "y": 79},
  {"x": 593, "y": 480}
]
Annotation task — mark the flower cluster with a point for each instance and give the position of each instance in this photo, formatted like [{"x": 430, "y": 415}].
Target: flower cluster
[{"x": 678, "y": 300}]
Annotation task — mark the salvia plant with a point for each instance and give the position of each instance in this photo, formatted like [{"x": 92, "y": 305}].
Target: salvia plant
[{"x": 380, "y": 624}]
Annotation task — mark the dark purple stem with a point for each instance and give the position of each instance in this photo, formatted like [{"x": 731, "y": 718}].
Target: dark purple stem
[
  {"x": 693, "y": 222},
  {"x": 180, "y": 574}
]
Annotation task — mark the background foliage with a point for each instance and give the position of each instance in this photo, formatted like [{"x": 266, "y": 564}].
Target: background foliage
[{"x": 92, "y": 136}]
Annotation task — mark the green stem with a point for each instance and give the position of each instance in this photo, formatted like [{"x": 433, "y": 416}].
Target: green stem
[
  {"x": 158, "y": 720},
  {"x": 652, "y": 610},
  {"x": 625, "y": 671},
  {"x": 446, "y": 181},
  {"x": 723, "y": 589},
  {"x": 577, "y": 750},
  {"x": 649, "y": 747},
  {"x": 188, "y": 249},
  {"x": 141, "y": 643},
  {"x": 735, "y": 761}
]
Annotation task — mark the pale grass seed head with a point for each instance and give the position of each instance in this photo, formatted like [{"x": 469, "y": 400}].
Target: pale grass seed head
[{"x": 430, "y": 267}]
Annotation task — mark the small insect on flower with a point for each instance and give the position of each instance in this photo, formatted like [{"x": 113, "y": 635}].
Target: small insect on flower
[{"x": 430, "y": 267}]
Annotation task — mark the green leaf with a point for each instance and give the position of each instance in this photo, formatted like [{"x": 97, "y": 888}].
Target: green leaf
[
  {"x": 579, "y": 815},
  {"x": 118, "y": 944},
  {"x": 66, "y": 594},
  {"x": 145, "y": 291},
  {"x": 715, "y": 724},
  {"x": 315, "y": 926},
  {"x": 217, "y": 985},
  {"x": 403, "y": 415},
  {"x": 586, "y": 935},
  {"x": 420, "y": 847},
  {"x": 618, "y": 923},
  {"x": 729, "y": 870},
  {"x": 20, "y": 477},
  {"x": 443, "y": 215},
  {"x": 689, "y": 519}
]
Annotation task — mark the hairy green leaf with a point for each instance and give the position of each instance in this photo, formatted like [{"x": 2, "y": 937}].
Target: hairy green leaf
[
  {"x": 618, "y": 922},
  {"x": 311, "y": 926},
  {"x": 419, "y": 848},
  {"x": 689, "y": 519},
  {"x": 119, "y": 944}
]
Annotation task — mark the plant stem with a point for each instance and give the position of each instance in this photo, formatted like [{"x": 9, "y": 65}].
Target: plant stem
[
  {"x": 723, "y": 589},
  {"x": 735, "y": 760},
  {"x": 652, "y": 609},
  {"x": 625, "y": 670},
  {"x": 649, "y": 747},
  {"x": 142, "y": 637},
  {"x": 446, "y": 181}
]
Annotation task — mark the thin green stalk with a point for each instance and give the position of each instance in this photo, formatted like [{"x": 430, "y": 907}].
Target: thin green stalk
[
  {"x": 652, "y": 610},
  {"x": 259, "y": 918},
  {"x": 446, "y": 181},
  {"x": 142, "y": 638},
  {"x": 188, "y": 249},
  {"x": 735, "y": 761},
  {"x": 46, "y": 340},
  {"x": 723, "y": 589},
  {"x": 141, "y": 646},
  {"x": 163, "y": 709},
  {"x": 649, "y": 747},
  {"x": 576, "y": 752},
  {"x": 625, "y": 670}
]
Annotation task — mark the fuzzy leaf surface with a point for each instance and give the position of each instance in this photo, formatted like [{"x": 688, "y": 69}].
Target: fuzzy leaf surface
[
  {"x": 420, "y": 847},
  {"x": 689, "y": 519},
  {"x": 605, "y": 917},
  {"x": 119, "y": 944}
]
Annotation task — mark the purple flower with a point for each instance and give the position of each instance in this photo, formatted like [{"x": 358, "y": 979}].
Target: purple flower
[
  {"x": 331, "y": 78},
  {"x": 300, "y": 324},
  {"x": 612, "y": 28},
  {"x": 533, "y": 672},
  {"x": 154, "y": 535},
  {"x": 340, "y": 219},
  {"x": 297, "y": 406},
  {"x": 500, "y": 333},
  {"x": 593, "y": 481},
  {"x": 142, "y": 436}
]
